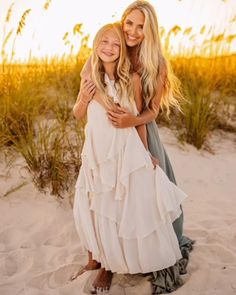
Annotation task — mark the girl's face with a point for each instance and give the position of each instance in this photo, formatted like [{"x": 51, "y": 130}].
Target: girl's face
[
  {"x": 133, "y": 28},
  {"x": 108, "y": 49}
]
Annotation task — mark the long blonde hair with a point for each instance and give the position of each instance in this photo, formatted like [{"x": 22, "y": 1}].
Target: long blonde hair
[
  {"x": 123, "y": 80},
  {"x": 153, "y": 62}
]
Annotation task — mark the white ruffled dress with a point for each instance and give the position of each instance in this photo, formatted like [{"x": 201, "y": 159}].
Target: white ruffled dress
[{"x": 123, "y": 208}]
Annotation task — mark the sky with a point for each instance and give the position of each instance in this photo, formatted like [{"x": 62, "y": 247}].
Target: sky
[{"x": 44, "y": 29}]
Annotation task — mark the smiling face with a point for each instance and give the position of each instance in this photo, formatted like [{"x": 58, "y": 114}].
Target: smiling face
[
  {"x": 108, "y": 49},
  {"x": 133, "y": 28}
]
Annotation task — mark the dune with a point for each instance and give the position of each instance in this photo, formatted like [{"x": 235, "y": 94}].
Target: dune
[{"x": 40, "y": 248}]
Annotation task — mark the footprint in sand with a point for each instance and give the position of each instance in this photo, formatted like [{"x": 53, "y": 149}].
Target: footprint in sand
[
  {"x": 10, "y": 239},
  {"x": 56, "y": 241},
  {"x": 15, "y": 263},
  {"x": 53, "y": 279},
  {"x": 217, "y": 254}
]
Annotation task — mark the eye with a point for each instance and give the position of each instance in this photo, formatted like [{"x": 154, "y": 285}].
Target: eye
[
  {"x": 104, "y": 41},
  {"x": 128, "y": 22},
  {"x": 117, "y": 44},
  {"x": 140, "y": 26}
]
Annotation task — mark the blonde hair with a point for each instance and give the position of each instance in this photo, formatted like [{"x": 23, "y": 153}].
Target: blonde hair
[
  {"x": 153, "y": 62},
  {"x": 123, "y": 80}
]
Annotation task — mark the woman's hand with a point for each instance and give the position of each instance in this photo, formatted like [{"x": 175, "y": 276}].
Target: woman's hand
[
  {"x": 87, "y": 90},
  {"x": 121, "y": 117}
]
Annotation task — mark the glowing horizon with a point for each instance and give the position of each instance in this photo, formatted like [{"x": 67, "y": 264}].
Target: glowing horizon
[{"x": 44, "y": 29}]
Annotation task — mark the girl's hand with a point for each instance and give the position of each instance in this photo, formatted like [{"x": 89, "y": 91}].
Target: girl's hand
[
  {"x": 121, "y": 117},
  {"x": 87, "y": 90},
  {"x": 155, "y": 161}
]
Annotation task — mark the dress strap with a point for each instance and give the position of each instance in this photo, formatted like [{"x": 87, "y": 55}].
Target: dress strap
[{"x": 111, "y": 89}]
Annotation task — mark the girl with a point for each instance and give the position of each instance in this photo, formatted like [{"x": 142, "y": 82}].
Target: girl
[{"x": 123, "y": 208}]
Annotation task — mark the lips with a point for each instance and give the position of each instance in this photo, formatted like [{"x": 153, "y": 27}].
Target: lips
[
  {"x": 107, "y": 53},
  {"x": 131, "y": 38}
]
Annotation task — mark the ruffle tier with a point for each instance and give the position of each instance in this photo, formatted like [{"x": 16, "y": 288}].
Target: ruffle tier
[{"x": 123, "y": 208}]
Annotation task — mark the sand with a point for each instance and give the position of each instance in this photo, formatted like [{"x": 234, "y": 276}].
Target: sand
[{"x": 40, "y": 248}]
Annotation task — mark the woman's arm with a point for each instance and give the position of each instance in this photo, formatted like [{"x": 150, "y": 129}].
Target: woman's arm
[
  {"x": 124, "y": 118},
  {"x": 87, "y": 90}
]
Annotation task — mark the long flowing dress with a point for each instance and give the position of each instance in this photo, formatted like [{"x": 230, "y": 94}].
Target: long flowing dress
[
  {"x": 123, "y": 208},
  {"x": 168, "y": 279}
]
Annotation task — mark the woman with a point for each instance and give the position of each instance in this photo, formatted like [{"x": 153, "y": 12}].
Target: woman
[
  {"x": 140, "y": 27},
  {"x": 117, "y": 179}
]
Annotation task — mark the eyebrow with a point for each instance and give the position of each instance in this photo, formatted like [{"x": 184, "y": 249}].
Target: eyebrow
[
  {"x": 115, "y": 40},
  {"x": 128, "y": 19}
]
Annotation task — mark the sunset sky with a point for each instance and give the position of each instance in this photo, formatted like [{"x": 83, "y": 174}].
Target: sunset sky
[{"x": 44, "y": 29}]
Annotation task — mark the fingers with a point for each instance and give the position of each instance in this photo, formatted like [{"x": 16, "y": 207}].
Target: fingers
[
  {"x": 93, "y": 92},
  {"x": 88, "y": 84},
  {"x": 122, "y": 110},
  {"x": 113, "y": 115},
  {"x": 155, "y": 161},
  {"x": 114, "y": 122},
  {"x": 154, "y": 165},
  {"x": 88, "y": 89}
]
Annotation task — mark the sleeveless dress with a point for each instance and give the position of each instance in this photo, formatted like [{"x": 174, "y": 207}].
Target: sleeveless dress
[
  {"x": 123, "y": 208},
  {"x": 157, "y": 150},
  {"x": 169, "y": 279}
]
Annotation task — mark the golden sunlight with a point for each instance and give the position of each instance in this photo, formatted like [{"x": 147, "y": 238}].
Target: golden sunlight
[{"x": 48, "y": 27}]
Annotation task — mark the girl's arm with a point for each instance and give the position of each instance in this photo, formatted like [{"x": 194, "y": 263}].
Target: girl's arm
[
  {"x": 123, "y": 118},
  {"x": 87, "y": 90}
]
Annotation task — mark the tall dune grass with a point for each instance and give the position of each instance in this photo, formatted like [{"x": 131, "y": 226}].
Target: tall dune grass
[
  {"x": 209, "y": 88},
  {"x": 36, "y": 120},
  {"x": 208, "y": 76},
  {"x": 37, "y": 99}
]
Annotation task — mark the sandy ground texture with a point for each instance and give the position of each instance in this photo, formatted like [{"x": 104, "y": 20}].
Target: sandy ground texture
[{"x": 40, "y": 249}]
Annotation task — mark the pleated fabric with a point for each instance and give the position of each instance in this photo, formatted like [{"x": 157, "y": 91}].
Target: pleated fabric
[
  {"x": 158, "y": 150},
  {"x": 123, "y": 208}
]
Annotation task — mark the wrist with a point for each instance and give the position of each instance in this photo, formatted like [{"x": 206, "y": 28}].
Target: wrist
[
  {"x": 139, "y": 120},
  {"x": 84, "y": 101}
]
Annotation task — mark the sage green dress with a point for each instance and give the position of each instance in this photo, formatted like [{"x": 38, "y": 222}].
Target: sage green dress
[{"x": 168, "y": 280}]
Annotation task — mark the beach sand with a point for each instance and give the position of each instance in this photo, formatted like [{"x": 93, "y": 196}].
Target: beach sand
[{"x": 40, "y": 248}]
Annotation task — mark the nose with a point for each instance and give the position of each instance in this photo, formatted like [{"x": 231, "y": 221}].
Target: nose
[
  {"x": 133, "y": 30},
  {"x": 108, "y": 46}
]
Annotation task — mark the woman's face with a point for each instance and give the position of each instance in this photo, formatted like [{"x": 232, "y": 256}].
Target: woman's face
[
  {"x": 108, "y": 49},
  {"x": 133, "y": 28}
]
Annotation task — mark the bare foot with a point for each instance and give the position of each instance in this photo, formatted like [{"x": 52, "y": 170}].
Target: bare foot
[
  {"x": 92, "y": 265},
  {"x": 102, "y": 281}
]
